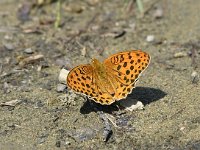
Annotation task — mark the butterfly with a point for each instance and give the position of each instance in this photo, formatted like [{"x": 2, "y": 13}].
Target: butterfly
[{"x": 111, "y": 80}]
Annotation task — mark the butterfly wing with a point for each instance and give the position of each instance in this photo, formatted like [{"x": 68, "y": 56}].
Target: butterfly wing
[
  {"x": 126, "y": 67},
  {"x": 83, "y": 80},
  {"x": 123, "y": 69}
]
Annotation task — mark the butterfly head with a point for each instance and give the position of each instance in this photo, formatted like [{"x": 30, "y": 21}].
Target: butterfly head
[
  {"x": 96, "y": 63},
  {"x": 99, "y": 67}
]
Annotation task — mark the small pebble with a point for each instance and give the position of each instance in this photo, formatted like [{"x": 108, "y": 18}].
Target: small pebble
[
  {"x": 39, "y": 104},
  {"x": 83, "y": 51},
  {"x": 93, "y": 2},
  {"x": 132, "y": 26},
  {"x": 150, "y": 38},
  {"x": 83, "y": 134},
  {"x": 195, "y": 77},
  {"x": 28, "y": 51},
  {"x": 6, "y": 85},
  {"x": 63, "y": 62},
  {"x": 180, "y": 54},
  {"x": 67, "y": 142},
  {"x": 74, "y": 8},
  {"x": 158, "y": 13},
  {"x": 24, "y": 88},
  {"x": 122, "y": 121},
  {"x": 63, "y": 75},
  {"x": 9, "y": 46},
  {"x": 8, "y": 37},
  {"x": 11, "y": 103},
  {"x": 42, "y": 138},
  {"x": 48, "y": 86},
  {"x": 61, "y": 87},
  {"x": 131, "y": 105}
]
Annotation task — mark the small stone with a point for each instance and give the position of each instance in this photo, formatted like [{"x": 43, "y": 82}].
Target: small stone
[
  {"x": 67, "y": 142},
  {"x": 158, "y": 13},
  {"x": 63, "y": 62},
  {"x": 83, "y": 134},
  {"x": 132, "y": 26},
  {"x": 28, "y": 51},
  {"x": 11, "y": 103},
  {"x": 132, "y": 104},
  {"x": 8, "y": 37},
  {"x": 195, "y": 77},
  {"x": 63, "y": 75},
  {"x": 25, "y": 88},
  {"x": 9, "y": 46},
  {"x": 122, "y": 121},
  {"x": 83, "y": 51},
  {"x": 74, "y": 8},
  {"x": 6, "y": 85},
  {"x": 61, "y": 87},
  {"x": 93, "y": 2},
  {"x": 150, "y": 38},
  {"x": 47, "y": 86},
  {"x": 42, "y": 138},
  {"x": 39, "y": 104},
  {"x": 180, "y": 54}
]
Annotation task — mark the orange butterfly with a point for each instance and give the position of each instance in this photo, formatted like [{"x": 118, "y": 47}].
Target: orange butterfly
[{"x": 111, "y": 80}]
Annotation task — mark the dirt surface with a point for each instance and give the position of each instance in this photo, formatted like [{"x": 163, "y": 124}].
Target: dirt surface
[{"x": 41, "y": 114}]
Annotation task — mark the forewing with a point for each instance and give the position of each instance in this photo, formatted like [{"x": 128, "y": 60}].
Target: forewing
[
  {"x": 126, "y": 67},
  {"x": 83, "y": 80}
]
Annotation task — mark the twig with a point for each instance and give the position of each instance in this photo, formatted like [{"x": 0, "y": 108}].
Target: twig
[
  {"x": 58, "y": 15},
  {"x": 3, "y": 75},
  {"x": 140, "y": 6},
  {"x": 193, "y": 57},
  {"x": 107, "y": 132}
]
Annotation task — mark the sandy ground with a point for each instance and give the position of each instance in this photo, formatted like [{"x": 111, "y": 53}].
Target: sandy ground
[{"x": 35, "y": 115}]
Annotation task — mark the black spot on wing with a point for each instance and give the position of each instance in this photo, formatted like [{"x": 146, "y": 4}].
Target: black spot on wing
[
  {"x": 125, "y": 64},
  {"x": 100, "y": 101},
  {"x": 127, "y": 72},
  {"x": 83, "y": 78},
  {"x": 87, "y": 85},
  {"x": 118, "y": 67},
  {"x": 131, "y": 67},
  {"x": 132, "y": 61}
]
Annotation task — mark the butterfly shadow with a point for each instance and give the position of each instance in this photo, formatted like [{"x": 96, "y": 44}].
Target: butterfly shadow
[{"x": 145, "y": 95}]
